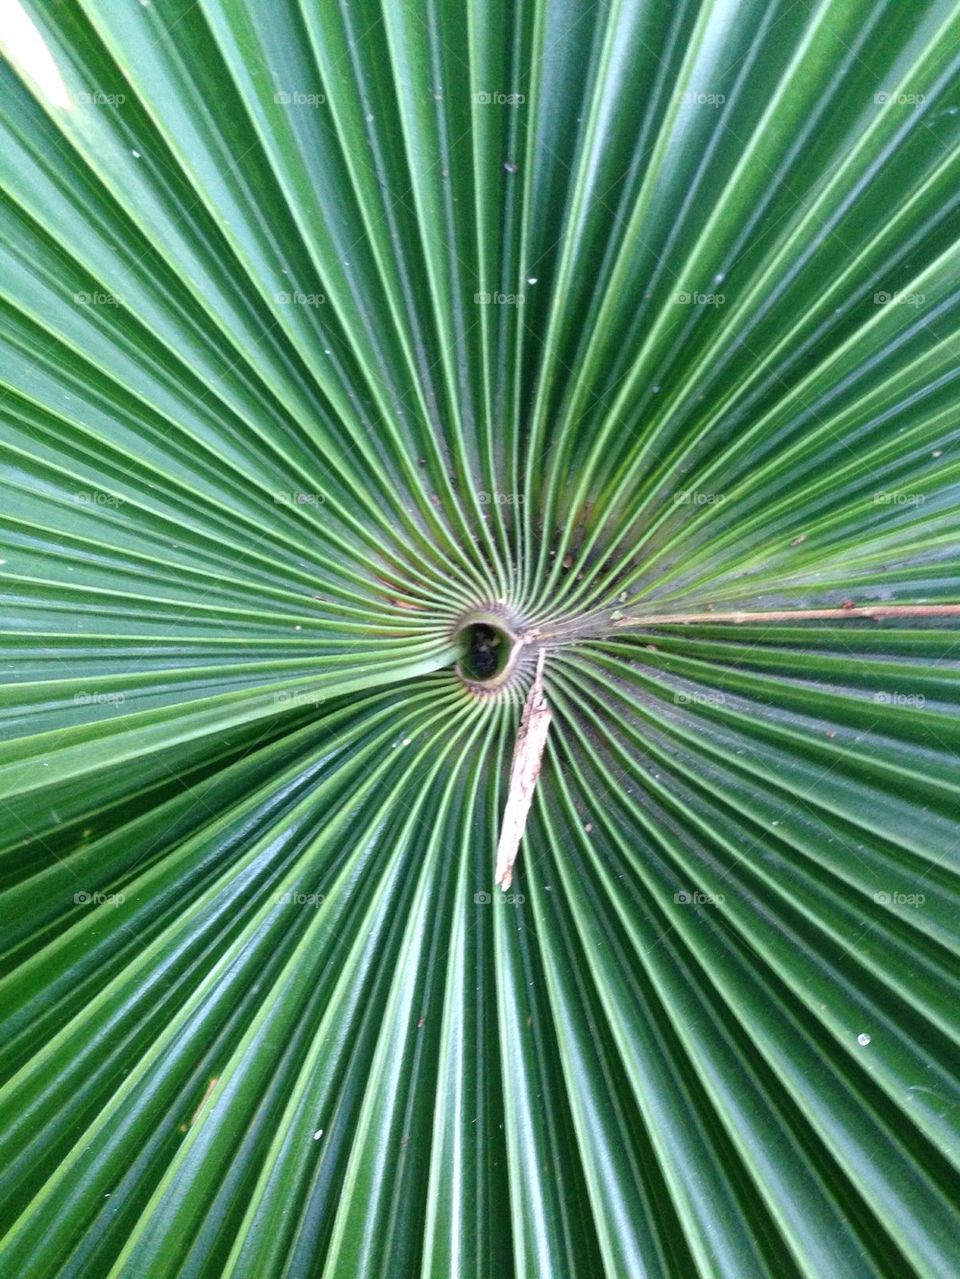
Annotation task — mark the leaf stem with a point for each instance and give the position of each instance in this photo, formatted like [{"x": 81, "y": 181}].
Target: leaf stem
[{"x": 878, "y": 612}]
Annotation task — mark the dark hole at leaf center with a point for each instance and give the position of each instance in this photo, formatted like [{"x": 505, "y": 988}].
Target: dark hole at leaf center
[{"x": 485, "y": 653}]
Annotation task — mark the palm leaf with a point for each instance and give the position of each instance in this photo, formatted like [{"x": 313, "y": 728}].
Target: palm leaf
[{"x": 631, "y": 329}]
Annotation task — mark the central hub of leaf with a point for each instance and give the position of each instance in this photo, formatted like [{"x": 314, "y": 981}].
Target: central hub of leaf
[
  {"x": 488, "y": 649},
  {"x": 485, "y": 652}
]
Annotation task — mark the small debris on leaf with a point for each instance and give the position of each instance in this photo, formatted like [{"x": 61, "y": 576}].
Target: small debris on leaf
[
  {"x": 524, "y": 772},
  {"x": 203, "y": 1100}
]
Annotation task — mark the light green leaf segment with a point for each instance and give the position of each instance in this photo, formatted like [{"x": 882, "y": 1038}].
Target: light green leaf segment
[{"x": 325, "y": 325}]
